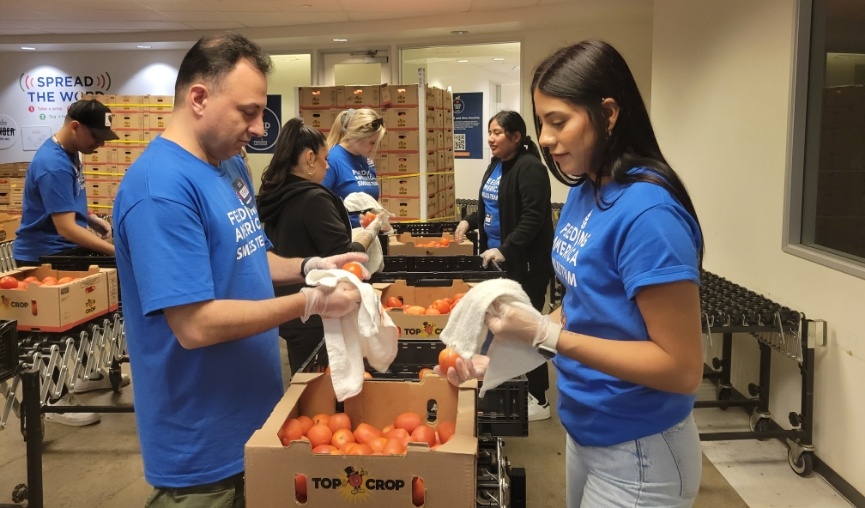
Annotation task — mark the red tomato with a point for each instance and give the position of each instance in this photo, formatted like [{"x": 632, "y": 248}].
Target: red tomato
[
  {"x": 360, "y": 449},
  {"x": 64, "y": 280},
  {"x": 319, "y": 435},
  {"x": 324, "y": 449},
  {"x": 442, "y": 306},
  {"x": 354, "y": 268},
  {"x": 408, "y": 421},
  {"x": 377, "y": 444},
  {"x": 339, "y": 421},
  {"x": 291, "y": 430},
  {"x": 8, "y": 282},
  {"x": 447, "y": 358},
  {"x": 341, "y": 437},
  {"x": 366, "y": 219},
  {"x": 394, "y": 447},
  {"x": 300, "y": 488},
  {"x": 417, "y": 491},
  {"x": 446, "y": 431},
  {"x": 424, "y": 434},
  {"x": 424, "y": 372},
  {"x": 444, "y": 242},
  {"x": 305, "y": 422},
  {"x": 321, "y": 418},
  {"x": 365, "y": 433},
  {"x": 416, "y": 310},
  {"x": 393, "y": 301}
]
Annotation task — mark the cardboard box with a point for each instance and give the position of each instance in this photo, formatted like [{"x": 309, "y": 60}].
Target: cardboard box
[
  {"x": 419, "y": 326},
  {"x": 61, "y": 307},
  {"x": 318, "y": 97},
  {"x": 401, "y": 163},
  {"x": 402, "y": 118},
  {"x": 404, "y": 244},
  {"x": 8, "y": 226},
  {"x": 320, "y": 119},
  {"x": 403, "y": 95},
  {"x": 408, "y": 186},
  {"x": 449, "y": 473},
  {"x": 362, "y": 96},
  {"x": 402, "y": 141}
]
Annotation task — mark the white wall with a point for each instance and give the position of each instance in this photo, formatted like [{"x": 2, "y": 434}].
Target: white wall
[{"x": 721, "y": 91}]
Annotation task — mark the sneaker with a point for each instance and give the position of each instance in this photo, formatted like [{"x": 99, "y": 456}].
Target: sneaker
[
  {"x": 99, "y": 382},
  {"x": 70, "y": 419},
  {"x": 538, "y": 411}
]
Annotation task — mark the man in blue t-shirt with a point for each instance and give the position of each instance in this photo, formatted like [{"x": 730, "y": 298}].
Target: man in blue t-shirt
[
  {"x": 54, "y": 210},
  {"x": 197, "y": 278},
  {"x": 55, "y": 219}
]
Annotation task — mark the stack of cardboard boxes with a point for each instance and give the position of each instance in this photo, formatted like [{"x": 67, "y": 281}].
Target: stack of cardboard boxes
[
  {"x": 12, "y": 187},
  {"x": 414, "y": 162},
  {"x": 138, "y": 119}
]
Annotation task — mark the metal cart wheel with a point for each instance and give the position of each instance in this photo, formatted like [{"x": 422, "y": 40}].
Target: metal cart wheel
[
  {"x": 803, "y": 465},
  {"x": 759, "y": 422}
]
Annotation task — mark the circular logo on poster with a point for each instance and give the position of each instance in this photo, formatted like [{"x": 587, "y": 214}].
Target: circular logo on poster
[
  {"x": 459, "y": 105},
  {"x": 8, "y": 132},
  {"x": 271, "y": 132}
]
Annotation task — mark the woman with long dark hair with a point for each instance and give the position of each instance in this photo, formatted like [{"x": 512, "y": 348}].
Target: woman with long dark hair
[{"x": 628, "y": 248}]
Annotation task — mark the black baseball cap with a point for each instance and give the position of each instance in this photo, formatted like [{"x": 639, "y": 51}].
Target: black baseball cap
[{"x": 95, "y": 116}]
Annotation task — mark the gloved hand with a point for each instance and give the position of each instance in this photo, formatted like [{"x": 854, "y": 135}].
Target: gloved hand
[
  {"x": 331, "y": 262},
  {"x": 492, "y": 255},
  {"x": 384, "y": 218},
  {"x": 460, "y": 231},
  {"x": 330, "y": 302},
  {"x": 100, "y": 225},
  {"x": 475, "y": 369},
  {"x": 522, "y": 322}
]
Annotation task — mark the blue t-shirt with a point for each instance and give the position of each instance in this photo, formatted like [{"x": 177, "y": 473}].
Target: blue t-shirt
[
  {"x": 189, "y": 232},
  {"x": 604, "y": 257},
  {"x": 490, "y": 194},
  {"x": 349, "y": 173},
  {"x": 54, "y": 184}
]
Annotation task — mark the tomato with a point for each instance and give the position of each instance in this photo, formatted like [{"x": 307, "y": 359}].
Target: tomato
[
  {"x": 444, "y": 242},
  {"x": 393, "y": 301},
  {"x": 377, "y": 444},
  {"x": 408, "y": 421},
  {"x": 365, "y": 433},
  {"x": 424, "y": 372},
  {"x": 300, "y": 488},
  {"x": 366, "y": 219},
  {"x": 395, "y": 433},
  {"x": 417, "y": 491},
  {"x": 33, "y": 279},
  {"x": 394, "y": 446},
  {"x": 291, "y": 430},
  {"x": 305, "y": 423},
  {"x": 432, "y": 311},
  {"x": 354, "y": 268},
  {"x": 319, "y": 435},
  {"x": 339, "y": 421},
  {"x": 442, "y": 306},
  {"x": 367, "y": 375},
  {"x": 23, "y": 284},
  {"x": 49, "y": 281},
  {"x": 341, "y": 437},
  {"x": 416, "y": 310},
  {"x": 446, "y": 431},
  {"x": 324, "y": 449},
  {"x": 321, "y": 418},
  {"x": 8, "y": 282},
  {"x": 64, "y": 280},
  {"x": 424, "y": 434},
  {"x": 360, "y": 449},
  {"x": 447, "y": 358}
]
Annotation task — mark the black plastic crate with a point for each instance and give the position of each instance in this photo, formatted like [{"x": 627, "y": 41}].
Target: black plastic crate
[
  {"x": 425, "y": 228},
  {"x": 78, "y": 259},
  {"x": 418, "y": 270},
  {"x": 502, "y": 411},
  {"x": 8, "y": 349}
]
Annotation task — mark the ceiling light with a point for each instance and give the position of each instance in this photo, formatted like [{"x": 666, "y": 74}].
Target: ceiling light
[
  {"x": 460, "y": 32},
  {"x": 498, "y": 59},
  {"x": 28, "y": 48},
  {"x": 144, "y": 46},
  {"x": 339, "y": 39},
  {"x": 462, "y": 61}
]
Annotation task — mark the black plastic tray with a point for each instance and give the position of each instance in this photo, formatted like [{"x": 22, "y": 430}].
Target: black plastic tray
[
  {"x": 503, "y": 411},
  {"x": 78, "y": 259},
  {"x": 8, "y": 349}
]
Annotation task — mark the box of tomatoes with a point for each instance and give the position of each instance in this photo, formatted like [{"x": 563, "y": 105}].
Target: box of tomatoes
[
  {"x": 405, "y": 244},
  {"x": 44, "y": 299},
  {"x": 421, "y": 309},
  {"x": 313, "y": 453}
]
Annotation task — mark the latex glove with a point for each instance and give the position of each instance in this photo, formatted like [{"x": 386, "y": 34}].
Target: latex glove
[
  {"x": 492, "y": 255},
  {"x": 331, "y": 262},
  {"x": 100, "y": 225},
  {"x": 384, "y": 222},
  {"x": 522, "y": 323},
  {"x": 330, "y": 302},
  {"x": 460, "y": 231},
  {"x": 465, "y": 370}
]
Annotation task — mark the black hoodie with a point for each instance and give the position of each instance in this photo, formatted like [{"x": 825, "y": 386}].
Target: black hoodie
[{"x": 302, "y": 219}]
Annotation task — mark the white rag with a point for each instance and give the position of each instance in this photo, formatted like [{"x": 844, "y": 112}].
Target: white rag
[
  {"x": 465, "y": 332},
  {"x": 367, "y": 332}
]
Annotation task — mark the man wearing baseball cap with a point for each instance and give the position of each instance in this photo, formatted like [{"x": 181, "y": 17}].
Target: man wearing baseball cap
[{"x": 54, "y": 211}]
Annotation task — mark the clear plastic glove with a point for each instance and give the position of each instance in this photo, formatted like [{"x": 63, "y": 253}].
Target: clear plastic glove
[
  {"x": 522, "y": 323},
  {"x": 494, "y": 256},
  {"x": 465, "y": 370},
  {"x": 383, "y": 218},
  {"x": 338, "y": 261},
  {"x": 460, "y": 231},
  {"x": 100, "y": 225},
  {"x": 330, "y": 302}
]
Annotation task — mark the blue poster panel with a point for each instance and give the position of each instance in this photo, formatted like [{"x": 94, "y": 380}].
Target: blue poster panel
[
  {"x": 468, "y": 125},
  {"x": 272, "y": 125}
]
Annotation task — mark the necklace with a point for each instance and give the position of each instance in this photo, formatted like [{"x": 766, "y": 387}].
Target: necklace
[{"x": 73, "y": 156}]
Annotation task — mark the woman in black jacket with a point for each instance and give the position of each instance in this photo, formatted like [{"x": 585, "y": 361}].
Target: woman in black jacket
[
  {"x": 515, "y": 225},
  {"x": 302, "y": 219}
]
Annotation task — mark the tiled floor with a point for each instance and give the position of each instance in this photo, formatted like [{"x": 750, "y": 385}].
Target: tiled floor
[{"x": 100, "y": 465}]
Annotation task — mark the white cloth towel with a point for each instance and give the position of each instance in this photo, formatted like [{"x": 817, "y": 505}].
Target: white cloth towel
[
  {"x": 466, "y": 332},
  {"x": 367, "y": 333}
]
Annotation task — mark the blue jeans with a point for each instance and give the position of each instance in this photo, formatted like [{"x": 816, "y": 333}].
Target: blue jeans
[{"x": 659, "y": 470}]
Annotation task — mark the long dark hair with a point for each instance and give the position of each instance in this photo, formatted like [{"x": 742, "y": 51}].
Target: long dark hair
[
  {"x": 512, "y": 122},
  {"x": 294, "y": 139},
  {"x": 213, "y": 57},
  {"x": 584, "y": 74}
]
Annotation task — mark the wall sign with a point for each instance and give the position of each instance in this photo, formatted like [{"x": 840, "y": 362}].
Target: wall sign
[
  {"x": 272, "y": 126},
  {"x": 8, "y": 132},
  {"x": 468, "y": 127}
]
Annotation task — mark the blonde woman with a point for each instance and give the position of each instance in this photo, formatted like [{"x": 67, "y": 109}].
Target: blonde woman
[{"x": 352, "y": 141}]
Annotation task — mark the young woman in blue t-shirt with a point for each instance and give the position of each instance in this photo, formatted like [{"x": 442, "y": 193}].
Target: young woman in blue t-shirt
[{"x": 628, "y": 248}]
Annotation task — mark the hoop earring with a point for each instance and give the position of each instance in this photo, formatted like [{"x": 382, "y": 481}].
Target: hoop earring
[{"x": 310, "y": 173}]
